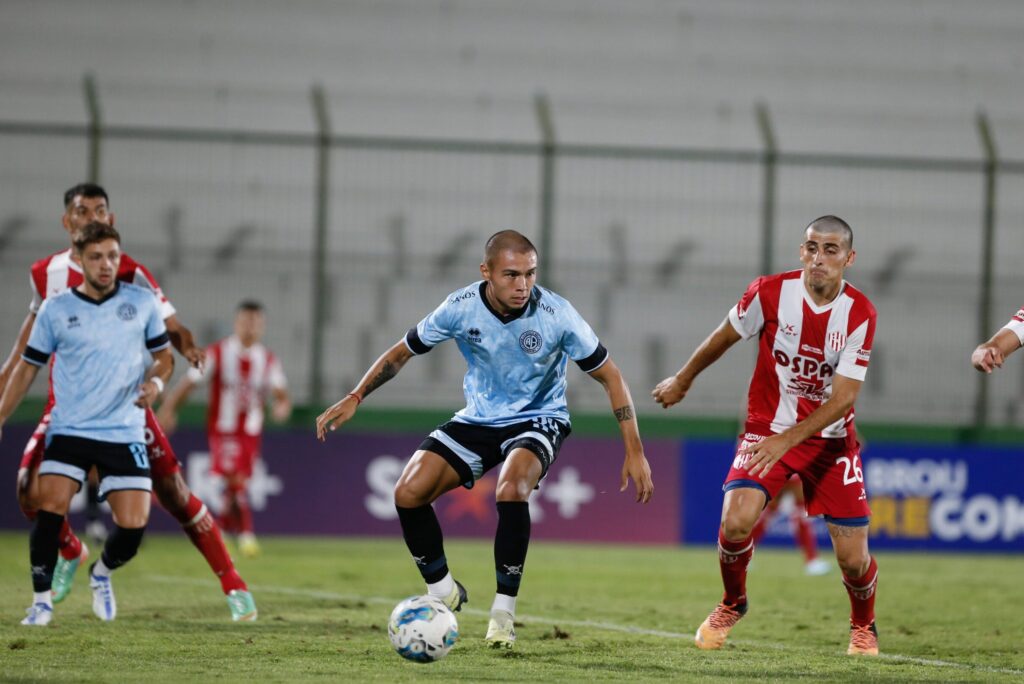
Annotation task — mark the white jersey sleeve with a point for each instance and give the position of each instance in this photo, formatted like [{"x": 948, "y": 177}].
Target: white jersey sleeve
[
  {"x": 1016, "y": 325},
  {"x": 747, "y": 317}
]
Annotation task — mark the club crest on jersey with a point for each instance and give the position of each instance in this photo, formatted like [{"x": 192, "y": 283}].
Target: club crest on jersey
[
  {"x": 530, "y": 341},
  {"x": 126, "y": 312},
  {"x": 836, "y": 341}
]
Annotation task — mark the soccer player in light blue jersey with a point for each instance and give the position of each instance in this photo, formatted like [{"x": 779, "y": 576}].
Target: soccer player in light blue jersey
[
  {"x": 113, "y": 360},
  {"x": 517, "y": 338}
]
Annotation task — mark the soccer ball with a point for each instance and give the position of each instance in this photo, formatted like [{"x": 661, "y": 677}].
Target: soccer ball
[{"x": 422, "y": 629}]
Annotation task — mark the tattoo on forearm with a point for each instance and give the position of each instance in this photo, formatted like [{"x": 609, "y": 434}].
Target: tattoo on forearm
[
  {"x": 387, "y": 372},
  {"x": 623, "y": 414}
]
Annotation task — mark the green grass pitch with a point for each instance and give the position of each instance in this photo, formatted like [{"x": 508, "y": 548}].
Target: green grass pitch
[{"x": 596, "y": 613}]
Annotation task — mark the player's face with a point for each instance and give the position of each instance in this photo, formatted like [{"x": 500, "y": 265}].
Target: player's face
[
  {"x": 85, "y": 210},
  {"x": 510, "y": 277},
  {"x": 825, "y": 257},
  {"x": 249, "y": 326},
  {"x": 99, "y": 264}
]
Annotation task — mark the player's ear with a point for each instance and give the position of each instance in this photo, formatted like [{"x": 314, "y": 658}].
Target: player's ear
[
  {"x": 485, "y": 272},
  {"x": 113, "y": 219},
  {"x": 851, "y": 258},
  {"x": 76, "y": 257}
]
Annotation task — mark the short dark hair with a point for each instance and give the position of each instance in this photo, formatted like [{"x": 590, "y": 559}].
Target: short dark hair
[
  {"x": 507, "y": 239},
  {"x": 833, "y": 224},
  {"x": 250, "y": 305},
  {"x": 92, "y": 233},
  {"x": 85, "y": 190}
]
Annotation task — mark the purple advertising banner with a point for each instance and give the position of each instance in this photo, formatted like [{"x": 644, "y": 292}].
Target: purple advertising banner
[{"x": 344, "y": 487}]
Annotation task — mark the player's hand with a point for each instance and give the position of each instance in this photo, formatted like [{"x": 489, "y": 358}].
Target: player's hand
[
  {"x": 196, "y": 356},
  {"x": 280, "y": 410},
  {"x": 987, "y": 358},
  {"x": 637, "y": 468},
  {"x": 670, "y": 391},
  {"x": 148, "y": 393},
  {"x": 335, "y": 416},
  {"x": 765, "y": 454}
]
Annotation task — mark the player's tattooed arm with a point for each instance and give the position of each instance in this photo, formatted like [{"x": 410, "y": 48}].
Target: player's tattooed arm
[
  {"x": 387, "y": 371},
  {"x": 624, "y": 413}
]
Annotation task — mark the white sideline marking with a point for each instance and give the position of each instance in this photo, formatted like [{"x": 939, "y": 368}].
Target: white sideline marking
[{"x": 608, "y": 626}]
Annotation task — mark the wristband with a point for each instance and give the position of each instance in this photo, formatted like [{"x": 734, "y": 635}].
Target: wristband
[
  {"x": 159, "y": 384},
  {"x": 356, "y": 397}
]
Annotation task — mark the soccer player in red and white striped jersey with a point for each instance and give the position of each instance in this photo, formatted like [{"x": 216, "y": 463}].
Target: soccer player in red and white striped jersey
[
  {"x": 243, "y": 374},
  {"x": 83, "y": 204},
  {"x": 990, "y": 355},
  {"x": 815, "y": 333}
]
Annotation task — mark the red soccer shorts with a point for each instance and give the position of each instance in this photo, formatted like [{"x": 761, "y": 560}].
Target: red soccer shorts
[
  {"x": 162, "y": 461},
  {"x": 233, "y": 454},
  {"x": 830, "y": 469}
]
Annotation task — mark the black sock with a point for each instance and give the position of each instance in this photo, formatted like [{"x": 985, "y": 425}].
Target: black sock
[
  {"x": 510, "y": 544},
  {"x": 422, "y": 535},
  {"x": 122, "y": 545},
  {"x": 43, "y": 543}
]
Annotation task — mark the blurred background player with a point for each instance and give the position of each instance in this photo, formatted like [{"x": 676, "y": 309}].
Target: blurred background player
[
  {"x": 516, "y": 338},
  {"x": 815, "y": 333},
  {"x": 93, "y": 424},
  {"x": 792, "y": 494},
  {"x": 83, "y": 204},
  {"x": 243, "y": 374},
  {"x": 990, "y": 355}
]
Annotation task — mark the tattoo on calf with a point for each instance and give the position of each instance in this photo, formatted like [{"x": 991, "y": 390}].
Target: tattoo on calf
[
  {"x": 385, "y": 374},
  {"x": 623, "y": 414}
]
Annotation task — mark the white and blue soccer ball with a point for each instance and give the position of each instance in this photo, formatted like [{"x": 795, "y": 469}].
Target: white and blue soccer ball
[{"x": 422, "y": 629}]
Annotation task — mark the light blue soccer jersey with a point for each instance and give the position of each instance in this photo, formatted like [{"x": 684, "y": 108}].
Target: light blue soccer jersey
[
  {"x": 516, "y": 364},
  {"x": 103, "y": 348}
]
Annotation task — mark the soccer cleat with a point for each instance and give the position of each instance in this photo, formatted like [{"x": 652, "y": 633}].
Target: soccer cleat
[
  {"x": 712, "y": 632},
  {"x": 816, "y": 567},
  {"x": 103, "y": 603},
  {"x": 247, "y": 545},
  {"x": 242, "y": 605},
  {"x": 501, "y": 631},
  {"x": 64, "y": 574},
  {"x": 38, "y": 615},
  {"x": 456, "y": 598},
  {"x": 863, "y": 640}
]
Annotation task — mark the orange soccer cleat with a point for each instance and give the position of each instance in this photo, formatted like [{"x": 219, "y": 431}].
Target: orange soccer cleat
[
  {"x": 713, "y": 631},
  {"x": 863, "y": 640}
]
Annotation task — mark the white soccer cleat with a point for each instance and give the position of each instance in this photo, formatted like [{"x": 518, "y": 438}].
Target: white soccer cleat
[
  {"x": 817, "y": 567},
  {"x": 501, "y": 632},
  {"x": 38, "y": 615},
  {"x": 103, "y": 603}
]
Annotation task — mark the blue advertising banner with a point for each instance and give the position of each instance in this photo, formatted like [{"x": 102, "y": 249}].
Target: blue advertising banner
[{"x": 922, "y": 497}]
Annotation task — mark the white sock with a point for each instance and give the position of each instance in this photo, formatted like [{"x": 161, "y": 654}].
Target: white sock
[
  {"x": 443, "y": 587},
  {"x": 42, "y": 597},
  {"x": 99, "y": 569},
  {"x": 504, "y": 602}
]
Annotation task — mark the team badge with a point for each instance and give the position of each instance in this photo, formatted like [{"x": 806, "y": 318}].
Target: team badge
[
  {"x": 126, "y": 312},
  {"x": 530, "y": 341},
  {"x": 836, "y": 341}
]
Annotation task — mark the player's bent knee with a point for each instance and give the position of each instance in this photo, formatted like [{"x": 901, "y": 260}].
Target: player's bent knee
[
  {"x": 513, "y": 490},
  {"x": 410, "y": 495},
  {"x": 854, "y": 565}
]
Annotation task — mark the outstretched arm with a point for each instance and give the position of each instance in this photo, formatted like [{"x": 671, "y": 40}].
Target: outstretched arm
[
  {"x": 19, "y": 347},
  {"x": 21, "y": 379},
  {"x": 671, "y": 390},
  {"x": 167, "y": 416},
  {"x": 382, "y": 370},
  {"x": 766, "y": 453},
  {"x": 635, "y": 466},
  {"x": 182, "y": 340},
  {"x": 990, "y": 355}
]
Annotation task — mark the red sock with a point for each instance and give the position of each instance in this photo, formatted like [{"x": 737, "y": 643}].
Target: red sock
[
  {"x": 862, "y": 595},
  {"x": 228, "y": 518},
  {"x": 70, "y": 545},
  {"x": 202, "y": 530},
  {"x": 760, "y": 527},
  {"x": 804, "y": 532},
  {"x": 733, "y": 557}
]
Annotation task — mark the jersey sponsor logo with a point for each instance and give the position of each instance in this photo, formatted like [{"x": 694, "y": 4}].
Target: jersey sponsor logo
[
  {"x": 468, "y": 294},
  {"x": 802, "y": 365},
  {"x": 811, "y": 350},
  {"x": 73, "y": 322},
  {"x": 474, "y": 334},
  {"x": 530, "y": 341},
  {"x": 864, "y": 354},
  {"x": 126, "y": 312},
  {"x": 836, "y": 341},
  {"x": 547, "y": 308}
]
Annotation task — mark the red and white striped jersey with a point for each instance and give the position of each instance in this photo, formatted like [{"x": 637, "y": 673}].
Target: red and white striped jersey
[
  {"x": 240, "y": 382},
  {"x": 1016, "y": 325},
  {"x": 802, "y": 346},
  {"x": 58, "y": 272}
]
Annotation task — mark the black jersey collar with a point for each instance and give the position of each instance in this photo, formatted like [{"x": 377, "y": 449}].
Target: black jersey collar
[
  {"x": 86, "y": 298},
  {"x": 505, "y": 319}
]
